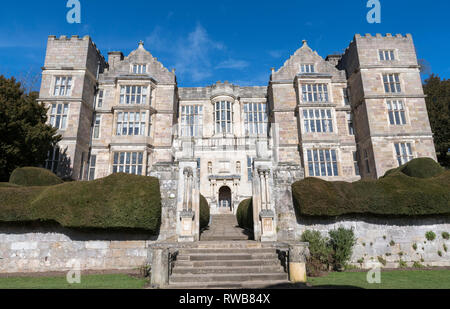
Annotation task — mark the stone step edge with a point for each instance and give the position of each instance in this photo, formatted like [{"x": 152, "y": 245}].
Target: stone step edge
[
  {"x": 196, "y": 276},
  {"x": 225, "y": 284}
]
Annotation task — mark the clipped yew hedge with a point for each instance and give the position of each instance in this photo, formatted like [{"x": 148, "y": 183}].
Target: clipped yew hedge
[
  {"x": 119, "y": 201},
  {"x": 33, "y": 176},
  {"x": 204, "y": 212},
  {"x": 425, "y": 192},
  {"x": 244, "y": 214}
]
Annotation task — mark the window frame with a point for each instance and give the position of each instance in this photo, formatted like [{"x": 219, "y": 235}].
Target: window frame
[
  {"x": 100, "y": 98},
  {"x": 312, "y": 125},
  {"x": 124, "y": 117},
  {"x": 392, "y": 81},
  {"x": 68, "y": 86},
  {"x": 225, "y": 108},
  {"x": 52, "y": 163},
  {"x": 191, "y": 113},
  {"x": 97, "y": 126},
  {"x": 139, "y": 68},
  {"x": 128, "y": 94},
  {"x": 394, "y": 116},
  {"x": 315, "y": 93},
  {"x": 261, "y": 126},
  {"x": 63, "y": 116},
  {"x": 398, "y": 152},
  {"x": 317, "y": 159},
  {"x": 121, "y": 167},
  {"x": 304, "y": 67},
  {"x": 390, "y": 52}
]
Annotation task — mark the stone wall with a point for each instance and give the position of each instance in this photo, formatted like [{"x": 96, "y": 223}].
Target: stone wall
[
  {"x": 52, "y": 249},
  {"x": 390, "y": 238}
]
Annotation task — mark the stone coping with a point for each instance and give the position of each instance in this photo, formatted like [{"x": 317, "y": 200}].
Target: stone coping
[{"x": 227, "y": 244}]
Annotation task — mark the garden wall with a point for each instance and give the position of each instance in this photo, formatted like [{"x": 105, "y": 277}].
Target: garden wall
[
  {"x": 391, "y": 239},
  {"x": 43, "y": 249}
]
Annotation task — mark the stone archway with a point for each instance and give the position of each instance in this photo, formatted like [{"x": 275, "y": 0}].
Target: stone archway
[{"x": 225, "y": 200}]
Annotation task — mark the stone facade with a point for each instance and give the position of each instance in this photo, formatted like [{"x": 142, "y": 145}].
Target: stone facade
[
  {"x": 317, "y": 117},
  {"x": 54, "y": 249}
]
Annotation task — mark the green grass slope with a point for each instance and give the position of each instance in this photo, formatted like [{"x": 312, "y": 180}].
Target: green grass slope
[
  {"x": 397, "y": 193},
  {"x": 120, "y": 201}
]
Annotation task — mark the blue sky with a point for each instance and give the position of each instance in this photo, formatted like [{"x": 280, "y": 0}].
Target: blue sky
[{"x": 207, "y": 41}]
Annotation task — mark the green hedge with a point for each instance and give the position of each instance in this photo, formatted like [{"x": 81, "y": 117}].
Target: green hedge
[
  {"x": 245, "y": 214},
  {"x": 33, "y": 176},
  {"x": 204, "y": 212},
  {"x": 120, "y": 201},
  {"x": 394, "y": 194}
]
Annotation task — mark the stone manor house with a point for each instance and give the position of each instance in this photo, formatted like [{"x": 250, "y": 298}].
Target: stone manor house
[{"x": 342, "y": 118}]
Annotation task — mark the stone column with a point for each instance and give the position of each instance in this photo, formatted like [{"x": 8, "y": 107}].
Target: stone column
[
  {"x": 160, "y": 267},
  {"x": 187, "y": 214},
  {"x": 298, "y": 254},
  {"x": 262, "y": 189}
]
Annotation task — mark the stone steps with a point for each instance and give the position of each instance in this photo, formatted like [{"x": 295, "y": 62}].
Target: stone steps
[
  {"x": 212, "y": 278},
  {"x": 227, "y": 265},
  {"x": 223, "y": 228},
  {"x": 226, "y": 256},
  {"x": 225, "y": 250},
  {"x": 229, "y": 285},
  {"x": 274, "y": 268},
  {"x": 234, "y": 263}
]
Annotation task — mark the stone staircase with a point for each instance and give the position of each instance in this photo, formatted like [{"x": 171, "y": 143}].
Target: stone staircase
[
  {"x": 225, "y": 264},
  {"x": 224, "y": 228}
]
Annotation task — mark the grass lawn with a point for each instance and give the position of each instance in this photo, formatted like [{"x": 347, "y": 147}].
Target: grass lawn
[
  {"x": 115, "y": 281},
  {"x": 407, "y": 279}
]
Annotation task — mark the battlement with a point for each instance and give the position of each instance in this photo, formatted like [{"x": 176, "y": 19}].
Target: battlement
[
  {"x": 76, "y": 38},
  {"x": 380, "y": 36}
]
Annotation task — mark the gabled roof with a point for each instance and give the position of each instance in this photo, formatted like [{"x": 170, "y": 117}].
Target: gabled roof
[
  {"x": 305, "y": 55},
  {"x": 155, "y": 69}
]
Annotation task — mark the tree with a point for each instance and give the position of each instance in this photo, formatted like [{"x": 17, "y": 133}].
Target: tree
[
  {"x": 25, "y": 138},
  {"x": 438, "y": 106}
]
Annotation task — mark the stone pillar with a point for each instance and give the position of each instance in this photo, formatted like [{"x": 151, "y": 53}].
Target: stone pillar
[
  {"x": 188, "y": 228},
  {"x": 298, "y": 254},
  {"x": 160, "y": 267},
  {"x": 284, "y": 175},
  {"x": 167, "y": 174}
]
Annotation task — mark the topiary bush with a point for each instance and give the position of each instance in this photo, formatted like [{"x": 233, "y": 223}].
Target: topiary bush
[
  {"x": 342, "y": 241},
  {"x": 395, "y": 194},
  {"x": 33, "y": 176},
  {"x": 204, "y": 212},
  {"x": 244, "y": 214},
  {"x": 320, "y": 257},
  {"x": 119, "y": 201}
]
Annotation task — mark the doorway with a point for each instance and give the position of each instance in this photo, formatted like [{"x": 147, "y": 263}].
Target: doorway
[{"x": 225, "y": 202}]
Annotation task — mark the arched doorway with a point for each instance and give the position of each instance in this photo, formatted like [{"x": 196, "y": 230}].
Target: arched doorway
[{"x": 225, "y": 202}]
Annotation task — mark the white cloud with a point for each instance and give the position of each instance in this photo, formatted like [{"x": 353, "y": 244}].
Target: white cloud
[
  {"x": 276, "y": 53},
  {"x": 232, "y": 64},
  {"x": 192, "y": 54}
]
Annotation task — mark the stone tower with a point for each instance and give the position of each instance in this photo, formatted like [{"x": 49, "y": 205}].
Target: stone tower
[
  {"x": 69, "y": 82},
  {"x": 388, "y": 103}
]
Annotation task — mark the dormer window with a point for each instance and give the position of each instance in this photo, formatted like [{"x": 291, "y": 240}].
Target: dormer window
[
  {"x": 139, "y": 69},
  {"x": 307, "y": 68}
]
